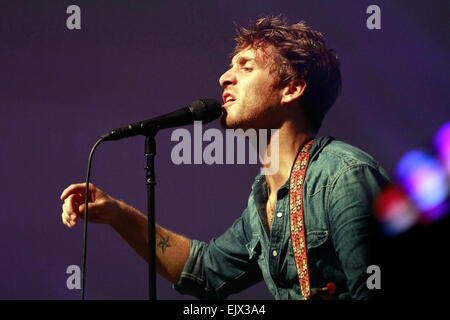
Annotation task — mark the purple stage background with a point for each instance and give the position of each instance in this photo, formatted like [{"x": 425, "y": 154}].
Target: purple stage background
[{"x": 61, "y": 89}]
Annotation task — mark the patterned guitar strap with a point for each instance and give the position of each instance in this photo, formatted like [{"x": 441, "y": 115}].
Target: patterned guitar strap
[{"x": 296, "y": 218}]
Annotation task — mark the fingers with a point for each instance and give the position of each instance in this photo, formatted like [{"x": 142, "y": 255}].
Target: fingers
[
  {"x": 73, "y": 208},
  {"x": 76, "y": 188},
  {"x": 68, "y": 220},
  {"x": 102, "y": 208},
  {"x": 70, "y": 210},
  {"x": 71, "y": 204}
]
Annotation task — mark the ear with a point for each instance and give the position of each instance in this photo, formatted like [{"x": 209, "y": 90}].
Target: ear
[{"x": 293, "y": 90}]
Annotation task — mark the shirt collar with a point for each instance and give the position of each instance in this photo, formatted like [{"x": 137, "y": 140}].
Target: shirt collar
[{"x": 260, "y": 184}]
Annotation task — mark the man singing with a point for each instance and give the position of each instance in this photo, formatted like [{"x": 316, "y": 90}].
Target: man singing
[{"x": 307, "y": 228}]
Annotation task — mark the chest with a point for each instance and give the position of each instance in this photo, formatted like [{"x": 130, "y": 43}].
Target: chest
[{"x": 270, "y": 211}]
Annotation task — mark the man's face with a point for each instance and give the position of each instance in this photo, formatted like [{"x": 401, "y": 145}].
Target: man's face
[{"x": 251, "y": 94}]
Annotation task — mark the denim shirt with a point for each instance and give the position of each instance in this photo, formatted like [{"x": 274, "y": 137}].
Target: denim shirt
[{"x": 340, "y": 185}]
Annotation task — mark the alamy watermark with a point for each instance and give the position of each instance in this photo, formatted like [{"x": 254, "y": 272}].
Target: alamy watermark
[
  {"x": 373, "y": 22},
  {"x": 374, "y": 280},
  {"x": 222, "y": 148},
  {"x": 74, "y": 279},
  {"x": 73, "y": 22}
]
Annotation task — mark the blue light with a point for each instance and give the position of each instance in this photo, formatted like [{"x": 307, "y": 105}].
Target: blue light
[{"x": 423, "y": 179}]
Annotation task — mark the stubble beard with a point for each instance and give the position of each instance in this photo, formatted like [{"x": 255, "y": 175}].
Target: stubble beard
[{"x": 242, "y": 121}]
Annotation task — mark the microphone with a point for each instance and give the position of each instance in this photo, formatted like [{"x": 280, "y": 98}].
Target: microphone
[{"x": 205, "y": 110}]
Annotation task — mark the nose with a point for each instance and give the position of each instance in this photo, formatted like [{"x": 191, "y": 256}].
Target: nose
[{"x": 227, "y": 78}]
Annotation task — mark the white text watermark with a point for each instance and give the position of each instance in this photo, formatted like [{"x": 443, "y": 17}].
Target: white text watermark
[{"x": 228, "y": 148}]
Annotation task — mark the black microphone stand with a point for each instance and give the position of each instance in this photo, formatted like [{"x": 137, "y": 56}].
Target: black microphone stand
[
  {"x": 205, "y": 110},
  {"x": 150, "y": 152}
]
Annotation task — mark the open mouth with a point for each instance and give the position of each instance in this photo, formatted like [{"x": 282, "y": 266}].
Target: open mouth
[{"x": 228, "y": 100}]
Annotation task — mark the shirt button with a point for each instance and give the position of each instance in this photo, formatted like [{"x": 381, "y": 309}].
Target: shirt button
[
  {"x": 279, "y": 214},
  {"x": 275, "y": 253}
]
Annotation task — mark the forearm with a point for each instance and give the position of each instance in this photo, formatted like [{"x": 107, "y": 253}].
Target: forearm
[{"x": 172, "y": 250}]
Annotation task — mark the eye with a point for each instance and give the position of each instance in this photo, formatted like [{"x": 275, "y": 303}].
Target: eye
[{"x": 247, "y": 69}]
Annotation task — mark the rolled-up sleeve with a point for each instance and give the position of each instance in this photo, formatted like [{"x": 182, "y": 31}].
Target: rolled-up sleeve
[{"x": 220, "y": 268}]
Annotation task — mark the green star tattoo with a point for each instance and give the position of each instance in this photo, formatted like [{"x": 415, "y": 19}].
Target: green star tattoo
[{"x": 164, "y": 243}]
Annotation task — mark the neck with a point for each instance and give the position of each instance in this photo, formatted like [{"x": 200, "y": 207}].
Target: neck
[{"x": 290, "y": 138}]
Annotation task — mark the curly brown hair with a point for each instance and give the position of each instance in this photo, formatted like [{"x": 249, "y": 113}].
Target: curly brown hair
[{"x": 301, "y": 53}]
